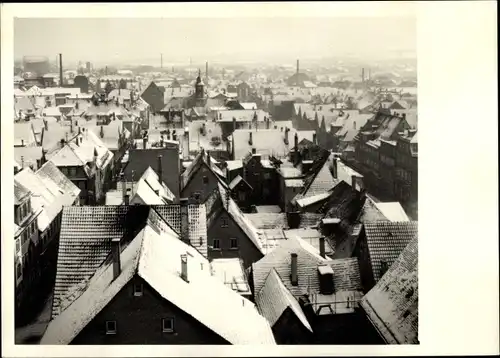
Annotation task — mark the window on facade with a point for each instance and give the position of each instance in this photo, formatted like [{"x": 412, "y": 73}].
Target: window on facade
[
  {"x": 167, "y": 325},
  {"x": 234, "y": 243},
  {"x": 225, "y": 222},
  {"x": 216, "y": 244},
  {"x": 241, "y": 196},
  {"x": 138, "y": 289},
  {"x": 19, "y": 271},
  {"x": 72, "y": 171},
  {"x": 110, "y": 327},
  {"x": 205, "y": 179},
  {"x": 196, "y": 195}
]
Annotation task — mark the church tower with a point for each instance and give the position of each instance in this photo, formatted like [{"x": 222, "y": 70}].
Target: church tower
[{"x": 199, "y": 89}]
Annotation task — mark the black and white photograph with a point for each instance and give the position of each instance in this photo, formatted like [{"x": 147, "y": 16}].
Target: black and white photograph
[{"x": 216, "y": 180}]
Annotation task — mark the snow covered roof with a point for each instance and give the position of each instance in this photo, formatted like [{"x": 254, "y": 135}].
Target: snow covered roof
[
  {"x": 150, "y": 191},
  {"x": 155, "y": 256},
  {"x": 274, "y": 298},
  {"x": 47, "y": 195},
  {"x": 392, "y": 305},
  {"x": 230, "y": 271},
  {"x": 393, "y": 211}
]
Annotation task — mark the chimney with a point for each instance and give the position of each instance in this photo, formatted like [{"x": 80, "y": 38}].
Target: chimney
[
  {"x": 334, "y": 168},
  {"x": 354, "y": 125},
  {"x": 124, "y": 186},
  {"x": 296, "y": 141},
  {"x": 115, "y": 252},
  {"x": 60, "y": 70},
  {"x": 144, "y": 142},
  {"x": 354, "y": 180},
  {"x": 250, "y": 141},
  {"x": 184, "y": 203},
  {"x": 160, "y": 169},
  {"x": 209, "y": 161},
  {"x": 294, "y": 275},
  {"x": 314, "y": 138},
  {"x": 293, "y": 219},
  {"x": 46, "y": 124},
  {"x": 22, "y": 142},
  {"x": 184, "y": 272},
  {"x": 286, "y": 135},
  {"x": 322, "y": 247},
  {"x": 254, "y": 151}
]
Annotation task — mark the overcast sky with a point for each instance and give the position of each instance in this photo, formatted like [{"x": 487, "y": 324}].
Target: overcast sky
[{"x": 254, "y": 39}]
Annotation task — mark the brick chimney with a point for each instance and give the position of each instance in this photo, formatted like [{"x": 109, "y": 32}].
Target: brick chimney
[
  {"x": 293, "y": 219},
  {"x": 144, "y": 142},
  {"x": 354, "y": 181},
  {"x": 250, "y": 139},
  {"x": 294, "y": 278},
  {"x": 115, "y": 254},
  {"x": 314, "y": 138},
  {"x": 184, "y": 204},
  {"x": 160, "y": 169},
  {"x": 286, "y": 135},
  {"x": 296, "y": 141},
  {"x": 209, "y": 161},
  {"x": 335, "y": 168}
]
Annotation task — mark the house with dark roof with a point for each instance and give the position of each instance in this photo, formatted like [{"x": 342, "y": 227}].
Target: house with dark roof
[
  {"x": 378, "y": 247},
  {"x": 230, "y": 233},
  {"x": 137, "y": 160},
  {"x": 154, "y": 97},
  {"x": 139, "y": 283},
  {"x": 201, "y": 177},
  {"x": 392, "y": 304},
  {"x": 308, "y": 298}
]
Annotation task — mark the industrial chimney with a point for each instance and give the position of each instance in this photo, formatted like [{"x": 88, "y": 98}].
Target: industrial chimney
[{"x": 60, "y": 71}]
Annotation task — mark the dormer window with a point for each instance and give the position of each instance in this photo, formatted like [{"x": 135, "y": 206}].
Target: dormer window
[{"x": 138, "y": 289}]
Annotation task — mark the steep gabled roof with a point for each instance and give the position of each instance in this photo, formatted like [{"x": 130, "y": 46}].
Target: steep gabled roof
[
  {"x": 154, "y": 255},
  {"x": 346, "y": 271},
  {"x": 386, "y": 240},
  {"x": 274, "y": 298},
  {"x": 87, "y": 231},
  {"x": 201, "y": 160},
  {"x": 392, "y": 304}
]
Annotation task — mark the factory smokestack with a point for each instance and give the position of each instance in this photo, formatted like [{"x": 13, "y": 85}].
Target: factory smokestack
[{"x": 60, "y": 70}]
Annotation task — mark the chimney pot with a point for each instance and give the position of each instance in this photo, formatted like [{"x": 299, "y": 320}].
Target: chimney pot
[
  {"x": 115, "y": 252},
  {"x": 335, "y": 168},
  {"x": 294, "y": 275},
  {"x": 354, "y": 180}
]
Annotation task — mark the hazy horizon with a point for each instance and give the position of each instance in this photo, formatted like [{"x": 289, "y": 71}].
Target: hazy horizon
[{"x": 141, "y": 40}]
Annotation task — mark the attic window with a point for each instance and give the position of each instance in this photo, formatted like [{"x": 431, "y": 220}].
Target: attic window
[
  {"x": 167, "y": 325},
  {"x": 110, "y": 327},
  {"x": 138, "y": 290},
  {"x": 409, "y": 293},
  {"x": 205, "y": 179}
]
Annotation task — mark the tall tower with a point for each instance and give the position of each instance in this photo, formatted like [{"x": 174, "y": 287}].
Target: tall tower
[
  {"x": 206, "y": 72},
  {"x": 199, "y": 89}
]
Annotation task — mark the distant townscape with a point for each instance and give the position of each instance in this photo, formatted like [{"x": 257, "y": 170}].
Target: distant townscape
[{"x": 227, "y": 204}]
